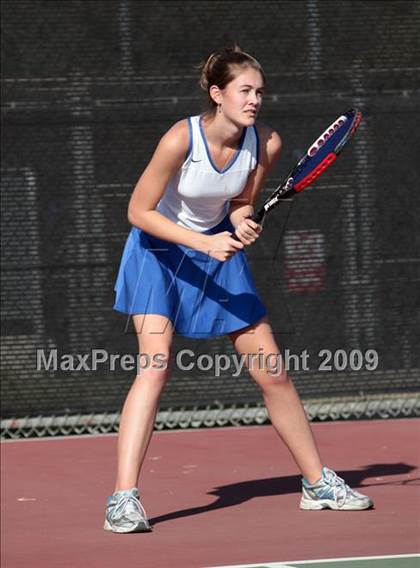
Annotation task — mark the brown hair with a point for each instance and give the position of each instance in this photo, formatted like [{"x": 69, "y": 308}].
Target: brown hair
[{"x": 219, "y": 69}]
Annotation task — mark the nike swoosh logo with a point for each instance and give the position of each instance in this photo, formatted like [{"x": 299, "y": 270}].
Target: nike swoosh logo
[{"x": 195, "y": 160}]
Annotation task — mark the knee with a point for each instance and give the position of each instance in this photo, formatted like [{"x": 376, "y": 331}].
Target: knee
[
  {"x": 270, "y": 381},
  {"x": 154, "y": 368}
]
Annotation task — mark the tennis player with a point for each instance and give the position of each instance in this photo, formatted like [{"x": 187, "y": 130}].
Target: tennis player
[{"x": 181, "y": 271}]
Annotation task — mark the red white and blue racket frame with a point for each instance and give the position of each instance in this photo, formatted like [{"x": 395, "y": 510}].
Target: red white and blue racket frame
[{"x": 318, "y": 158}]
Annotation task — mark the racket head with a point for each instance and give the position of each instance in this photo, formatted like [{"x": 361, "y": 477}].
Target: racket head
[
  {"x": 325, "y": 149},
  {"x": 319, "y": 156}
]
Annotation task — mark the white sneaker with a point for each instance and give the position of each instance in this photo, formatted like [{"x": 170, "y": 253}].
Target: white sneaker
[
  {"x": 332, "y": 492},
  {"x": 125, "y": 513}
]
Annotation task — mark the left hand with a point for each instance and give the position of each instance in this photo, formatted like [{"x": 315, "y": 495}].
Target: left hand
[{"x": 248, "y": 231}]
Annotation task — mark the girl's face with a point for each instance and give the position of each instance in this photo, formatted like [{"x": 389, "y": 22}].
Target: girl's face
[{"x": 241, "y": 99}]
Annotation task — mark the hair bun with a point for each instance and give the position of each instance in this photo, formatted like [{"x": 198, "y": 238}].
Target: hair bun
[
  {"x": 206, "y": 68},
  {"x": 220, "y": 55}
]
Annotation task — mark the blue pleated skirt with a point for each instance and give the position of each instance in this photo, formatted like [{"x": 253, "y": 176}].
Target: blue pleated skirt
[{"x": 203, "y": 297}]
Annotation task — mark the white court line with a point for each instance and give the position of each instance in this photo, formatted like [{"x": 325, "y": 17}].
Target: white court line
[
  {"x": 353, "y": 558},
  {"x": 286, "y": 563},
  {"x": 258, "y": 565}
]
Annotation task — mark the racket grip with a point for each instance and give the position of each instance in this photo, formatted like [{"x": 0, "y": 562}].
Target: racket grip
[{"x": 257, "y": 217}]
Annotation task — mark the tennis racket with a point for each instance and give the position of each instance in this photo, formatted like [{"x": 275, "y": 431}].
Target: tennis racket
[{"x": 318, "y": 158}]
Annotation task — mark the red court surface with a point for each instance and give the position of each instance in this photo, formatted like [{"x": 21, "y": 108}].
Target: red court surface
[{"x": 215, "y": 497}]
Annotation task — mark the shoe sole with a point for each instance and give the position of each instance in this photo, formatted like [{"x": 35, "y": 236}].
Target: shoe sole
[
  {"x": 306, "y": 505},
  {"x": 140, "y": 527}
]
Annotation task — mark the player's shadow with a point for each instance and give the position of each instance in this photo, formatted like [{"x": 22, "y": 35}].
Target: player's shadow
[{"x": 237, "y": 493}]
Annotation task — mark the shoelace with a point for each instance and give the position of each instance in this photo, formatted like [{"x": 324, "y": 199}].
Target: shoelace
[
  {"x": 132, "y": 504},
  {"x": 339, "y": 487}
]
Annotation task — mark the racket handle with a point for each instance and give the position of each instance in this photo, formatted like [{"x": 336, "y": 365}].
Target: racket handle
[{"x": 257, "y": 217}]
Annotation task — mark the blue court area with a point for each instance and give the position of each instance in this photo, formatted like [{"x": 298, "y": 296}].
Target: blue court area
[{"x": 397, "y": 561}]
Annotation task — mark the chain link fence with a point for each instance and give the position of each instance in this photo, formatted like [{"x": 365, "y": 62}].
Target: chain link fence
[{"x": 88, "y": 88}]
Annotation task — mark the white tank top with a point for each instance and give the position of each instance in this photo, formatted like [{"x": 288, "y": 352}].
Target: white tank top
[{"x": 197, "y": 197}]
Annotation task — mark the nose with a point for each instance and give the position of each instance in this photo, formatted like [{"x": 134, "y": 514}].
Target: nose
[{"x": 254, "y": 98}]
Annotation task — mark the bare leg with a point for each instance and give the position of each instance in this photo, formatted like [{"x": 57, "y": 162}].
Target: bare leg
[
  {"x": 154, "y": 333},
  {"x": 284, "y": 407}
]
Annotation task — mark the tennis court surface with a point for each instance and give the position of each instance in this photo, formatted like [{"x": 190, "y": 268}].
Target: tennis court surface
[{"x": 215, "y": 497}]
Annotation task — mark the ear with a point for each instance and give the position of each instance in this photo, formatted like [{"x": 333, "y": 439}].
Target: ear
[{"x": 216, "y": 94}]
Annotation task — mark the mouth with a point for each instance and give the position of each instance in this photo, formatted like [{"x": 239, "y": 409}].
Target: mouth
[{"x": 251, "y": 112}]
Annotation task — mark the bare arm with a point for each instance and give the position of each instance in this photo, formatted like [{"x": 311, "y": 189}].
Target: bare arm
[
  {"x": 243, "y": 205},
  {"x": 166, "y": 161}
]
